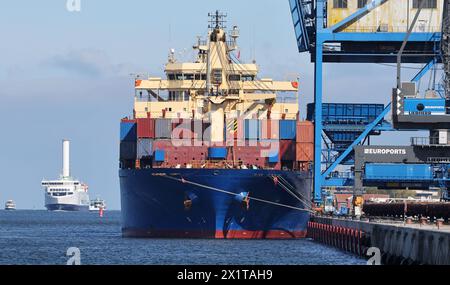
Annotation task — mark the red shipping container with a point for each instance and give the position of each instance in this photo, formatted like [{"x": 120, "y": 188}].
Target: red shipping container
[
  {"x": 146, "y": 128},
  {"x": 305, "y": 152},
  {"x": 305, "y": 132}
]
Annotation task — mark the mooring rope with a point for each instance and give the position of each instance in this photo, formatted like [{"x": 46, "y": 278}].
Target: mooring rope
[
  {"x": 234, "y": 194},
  {"x": 282, "y": 183}
]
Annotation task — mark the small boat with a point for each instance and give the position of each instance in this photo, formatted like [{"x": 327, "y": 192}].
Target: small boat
[
  {"x": 10, "y": 205},
  {"x": 97, "y": 205}
]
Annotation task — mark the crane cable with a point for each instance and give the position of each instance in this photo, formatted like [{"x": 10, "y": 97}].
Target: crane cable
[{"x": 234, "y": 194}]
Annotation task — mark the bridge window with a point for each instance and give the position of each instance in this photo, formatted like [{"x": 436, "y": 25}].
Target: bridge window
[
  {"x": 189, "y": 76},
  {"x": 217, "y": 76},
  {"x": 340, "y": 4},
  {"x": 362, "y": 3},
  {"x": 234, "y": 77},
  {"x": 248, "y": 77},
  {"x": 429, "y": 4},
  {"x": 179, "y": 76},
  {"x": 200, "y": 76},
  {"x": 171, "y": 76}
]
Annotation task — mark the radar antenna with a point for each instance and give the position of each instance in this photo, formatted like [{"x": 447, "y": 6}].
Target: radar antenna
[{"x": 217, "y": 20}]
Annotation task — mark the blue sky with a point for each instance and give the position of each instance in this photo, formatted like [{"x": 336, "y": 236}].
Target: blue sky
[{"x": 67, "y": 75}]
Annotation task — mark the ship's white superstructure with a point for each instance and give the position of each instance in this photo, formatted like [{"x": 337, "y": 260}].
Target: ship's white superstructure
[
  {"x": 66, "y": 193},
  {"x": 10, "y": 205},
  {"x": 97, "y": 204}
]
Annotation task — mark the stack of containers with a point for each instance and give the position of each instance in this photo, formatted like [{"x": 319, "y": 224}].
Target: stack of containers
[
  {"x": 145, "y": 137},
  {"x": 269, "y": 140},
  {"x": 288, "y": 135},
  {"x": 305, "y": 142},
  {"x": 128, "y": 136}
]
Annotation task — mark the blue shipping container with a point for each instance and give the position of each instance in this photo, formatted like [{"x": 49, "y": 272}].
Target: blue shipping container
[
  {"x": 128, "y": 131},
  {"x": 398, "y": 171},
  {"x": 288, "y": 129},
  {"x": 159, "y": 155},
  {"x": 274, "y": 158},
  {"x": 252, "y": 129},
  {"x": 217, "y": 152}
]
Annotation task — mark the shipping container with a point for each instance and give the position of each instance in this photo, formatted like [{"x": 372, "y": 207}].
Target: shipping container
[
  {"x": 274, "y": 158},
  {"x": 270, "y": 129},
  {"x": 217, "y": 152},
  {"x": 252, "y": 129},
  {"x": 186, "y": 129},
  {"x": 128, "y": 130},
  {"x": 146, "y": 128},
  {"x": 398, "y": 171},
  {"x": 287, "y": 150},
  {"x": 144, "y": 148},
  {"x": 128, "y": 150},
  {"x": 288, "y": 129},
  {"x": 304, "y": 152},
  {"x": 159, "y": 155},
  {"x": 305, "y": 132},
  {"x": 163, "y": 128},
  {"x": 185, "y": 155}
]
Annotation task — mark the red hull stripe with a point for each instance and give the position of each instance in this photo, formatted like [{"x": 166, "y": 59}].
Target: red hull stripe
[{"x": 232, "y": 234}]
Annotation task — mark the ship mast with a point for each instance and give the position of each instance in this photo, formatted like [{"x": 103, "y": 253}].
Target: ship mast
[{"x": 216, "y": 23}]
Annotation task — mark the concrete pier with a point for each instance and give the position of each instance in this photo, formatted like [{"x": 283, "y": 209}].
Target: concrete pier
[{"x": 398, "y": 242}]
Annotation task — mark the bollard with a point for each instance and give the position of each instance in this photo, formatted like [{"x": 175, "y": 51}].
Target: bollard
[
  {"x": 439, "y": 223},
  {"x": 423, "y": 221}
]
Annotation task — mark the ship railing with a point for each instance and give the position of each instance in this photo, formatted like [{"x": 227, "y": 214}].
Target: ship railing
[{"x": 212, "y": 164}]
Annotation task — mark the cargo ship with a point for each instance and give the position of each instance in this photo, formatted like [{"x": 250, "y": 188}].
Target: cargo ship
[
  {"x": 66, "y": 193},
  {"x": 215, "y": 151}
]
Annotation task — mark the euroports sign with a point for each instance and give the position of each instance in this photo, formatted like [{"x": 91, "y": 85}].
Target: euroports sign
[{"x": 384, "y": 151}]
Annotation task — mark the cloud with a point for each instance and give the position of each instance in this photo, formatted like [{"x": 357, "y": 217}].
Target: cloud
[{"x": 88, "y": 63}]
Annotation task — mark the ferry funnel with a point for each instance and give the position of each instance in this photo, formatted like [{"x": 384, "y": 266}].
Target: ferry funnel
[{"x": 66, "y": 158}]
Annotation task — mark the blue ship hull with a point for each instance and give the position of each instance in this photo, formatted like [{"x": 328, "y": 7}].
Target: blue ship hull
[{"x": 210, "y": 203}]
